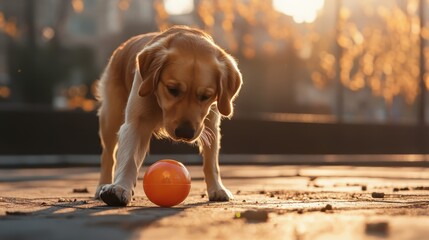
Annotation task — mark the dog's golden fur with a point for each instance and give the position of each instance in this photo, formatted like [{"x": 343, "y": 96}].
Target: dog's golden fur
[{"x": 173, "y": 84}]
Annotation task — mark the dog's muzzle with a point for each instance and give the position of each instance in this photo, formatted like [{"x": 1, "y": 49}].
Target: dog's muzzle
[{"x": 185, "y": 131}]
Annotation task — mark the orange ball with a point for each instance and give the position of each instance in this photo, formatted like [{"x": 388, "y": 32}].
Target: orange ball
[{"x": 167, "y": 183}]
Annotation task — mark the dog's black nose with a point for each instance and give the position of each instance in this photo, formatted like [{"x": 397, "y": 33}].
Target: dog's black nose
[{"x": 185, "y": 131}]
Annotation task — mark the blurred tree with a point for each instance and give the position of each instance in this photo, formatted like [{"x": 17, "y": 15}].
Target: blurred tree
[{"x": 35, "y": 68}]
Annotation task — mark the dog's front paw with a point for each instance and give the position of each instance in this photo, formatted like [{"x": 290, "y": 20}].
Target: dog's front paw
[
  {"x": 220, "y": 194},
  {"x": 98, "y": 190},
  {"x": 115, "y": 195}
]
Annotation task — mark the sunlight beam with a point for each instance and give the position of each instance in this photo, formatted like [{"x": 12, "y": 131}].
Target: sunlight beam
[
  {"x": 300, "y": 10},
  {"x": 179, "y": 7}
]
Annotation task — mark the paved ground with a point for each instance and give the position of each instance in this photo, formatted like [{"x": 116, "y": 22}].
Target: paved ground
[{"x": 271, "y": 202}]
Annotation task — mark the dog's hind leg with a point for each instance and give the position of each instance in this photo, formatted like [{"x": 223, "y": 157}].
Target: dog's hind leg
[{"x": 111, "y": 116}]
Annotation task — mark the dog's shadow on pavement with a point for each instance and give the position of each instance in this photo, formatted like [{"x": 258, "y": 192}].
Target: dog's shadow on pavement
[{"x": 89, "y": 214}]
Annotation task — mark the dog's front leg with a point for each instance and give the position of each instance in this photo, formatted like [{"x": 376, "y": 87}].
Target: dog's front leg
[
  {"x": 210, "y": 151},
  {"x": 133, "y": 144}
]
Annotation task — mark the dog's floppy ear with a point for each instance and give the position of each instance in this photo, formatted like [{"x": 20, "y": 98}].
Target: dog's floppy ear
[
  {"x": 150, "y": 62},
  {"x": 229, "y": 84}
]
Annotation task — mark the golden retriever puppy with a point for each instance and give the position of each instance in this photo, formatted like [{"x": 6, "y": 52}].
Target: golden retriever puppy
[{"x": 175, "y": 84}]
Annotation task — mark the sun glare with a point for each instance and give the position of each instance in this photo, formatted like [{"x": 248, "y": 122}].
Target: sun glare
[
  {"x": 300, "y": 10},
  {"x": 179, "y": 7}
]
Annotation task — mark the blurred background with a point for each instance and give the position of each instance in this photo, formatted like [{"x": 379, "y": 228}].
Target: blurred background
[{"x": 320, "y": 77}]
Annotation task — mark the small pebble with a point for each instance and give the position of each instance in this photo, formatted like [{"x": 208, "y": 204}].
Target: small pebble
[
  {"x": 378, "y": 229},
  {"x": 253, "y": 216},
  {"x": 238, "y": 192},
  {"x": 377, "y": 195},
  {"x": 364, "y": 188},
  {"x": 328, "y": 207},
  {"x": 244, "y": 201},
  {"x": 80, "y": 190},
  {"x": 300, "y": 211}
]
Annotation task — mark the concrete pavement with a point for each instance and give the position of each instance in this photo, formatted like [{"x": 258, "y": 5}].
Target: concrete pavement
[{"x": 271, "y": 202}]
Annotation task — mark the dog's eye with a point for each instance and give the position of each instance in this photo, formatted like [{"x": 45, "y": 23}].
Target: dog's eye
[
  {"x": 204, "y": 98},
  {"x": 174, "y": 91}
]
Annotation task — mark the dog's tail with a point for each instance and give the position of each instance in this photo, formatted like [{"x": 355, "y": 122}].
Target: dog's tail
[
  {"x": 100, "y": 84},
  {"x": 96, "y": 90}
]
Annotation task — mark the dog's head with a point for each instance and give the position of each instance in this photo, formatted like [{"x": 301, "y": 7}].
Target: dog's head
[{"x": 188, "y": 74}]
